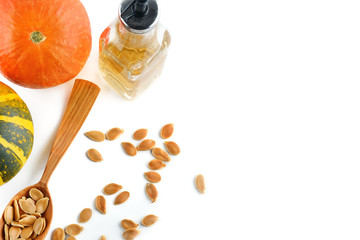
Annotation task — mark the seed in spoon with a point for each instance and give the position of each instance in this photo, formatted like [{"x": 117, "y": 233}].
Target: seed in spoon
[
  {"x": 94, "y": 155},
  {"x": 16, "y": 224},
  {"x": 44, "y": 225},
  {"x": 85, "y": 215},
  {"x": 200, "y": 183},
  {"x": 71, "y": 238},
  {"x": 153, "y": 177},
  {"x": 30, "y": 200},
  {"x": 100, "y": 204},
  {"x": 39, "y": 226},
  {"x": 9, "y": 214},
  {"x": 161, "y": 154},
  {"x": 58, "y": 234},
  {"x": 14, "y": 233},
  {"x": 112, "y": 188},
  {"x": 6, "y": 232},
  {"x": 36, "y": 214},
  {"x": 149, "y": 220},
  {"x": 26, "y": 232},
  {"x": 140, "y": 134},
  {"x": 28, "y": 220},
  {"x": 114, "y": 133},
  {"x": 172, "y": 147},
  {"x": 73, "y": 229},
  {"x": 151, "y": 192},
  {"x": 167, "y": 130},
  {"x": 122, "y": 197},
  {"x": 33, "y": 235},
  {"x": 146, "y": 144},
  {"x": 130, "y": 234},
  {"x": 36, "y": 194},
  {"x": 42, "y": 205},
  {"x": 127, "y": 224},
  {"x": 156, "y": 164},
  {"x": 16, "y": 211},
  {"x": 129, "y": 148},
  {"x": 96, "y": 136}
]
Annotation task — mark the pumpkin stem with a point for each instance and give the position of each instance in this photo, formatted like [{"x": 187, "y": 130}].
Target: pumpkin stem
[{"x": 37, "y": 37}]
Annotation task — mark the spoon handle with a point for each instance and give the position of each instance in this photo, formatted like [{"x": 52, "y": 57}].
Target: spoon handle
[{"x": 82, "y": 98}]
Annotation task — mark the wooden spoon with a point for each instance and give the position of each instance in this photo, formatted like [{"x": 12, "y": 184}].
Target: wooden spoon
[{"x": 82, "y": 98}]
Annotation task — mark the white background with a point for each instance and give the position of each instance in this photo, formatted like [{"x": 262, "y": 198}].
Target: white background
[{"x": 265, "y": 100}]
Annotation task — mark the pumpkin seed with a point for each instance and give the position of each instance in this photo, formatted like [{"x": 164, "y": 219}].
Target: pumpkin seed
[
  {"x": 27, "y": 205},
  {"x": 127, "y": 224},
  {"x": 122, "y": 197},
  {"x": 161, "y": 154},
  {"x": 114, "y": 133},
  {"x": 9, "y": 214},
  {"x": 16, "y": 224},
  {"x": 71, "y": 238},
  {"x": 100, "y": 204},
  {"x": 44, "y": 225},
  {"x": 30, "y": 200},
  {"x": 42, "y": 205},
  {"x": 14, "y": 233},
  {"x": 94, "y": 155},
  {"x": 6, "y": 231},
  {"x": 24, "y": 215},
  {"x": 38, "y": 226},
  {"x": 200, "y": 183},
  {"x": 28, "y": 220},
  {"x": 16, "y": 211},
  {"x": 140, "y": 134},
  {"x": 151, "y": 192},
  {"x": 96, "y": 136},
  {"x": 112, "y": 188},
  {"x": 156, "y": 164},
  {"x": 153, "y": 177},
  {"x": 167, "y": 130},
  {"x": 145, "y": 145},
  {"x": 102, "y": 237},
  {"x": 33, "y": 235},
  {"x": 129, "y": 148},
  {"x": 36, "y": 194},
  {"x": 172, "y": 147},
  {"x": 149, "y": 220},
  {"x": 36, "y": 214},
  {"x": 130, "y": 234},
  {"x": 85, "y": 215},
  {"x": 26, "y": 232},
  {"x": 58, "y": 234},
  {"x": 73, "y": 229}
]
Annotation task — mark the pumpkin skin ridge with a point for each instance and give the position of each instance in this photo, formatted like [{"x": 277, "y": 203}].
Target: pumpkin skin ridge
[
  {"x": 15, "y": 108},
  {"x": 7, "y": 172},
  {"x": 16, "y": 134},
  {"x": 54, "y": 61},
  {"x": 25, "y": 145},
  {"x": 15, "y": 150}
]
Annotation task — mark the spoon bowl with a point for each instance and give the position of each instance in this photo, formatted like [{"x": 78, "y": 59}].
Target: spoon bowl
[
  {"x": 82, "y": 98},
  {"x": 25, "y": 193}
]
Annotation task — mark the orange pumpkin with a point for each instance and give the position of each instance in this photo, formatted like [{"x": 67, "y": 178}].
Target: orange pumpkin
[{"x": 43, "y": 43}]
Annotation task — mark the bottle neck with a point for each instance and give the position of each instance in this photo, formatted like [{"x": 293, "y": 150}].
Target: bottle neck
[
  {"x": 138, "y": 40},
  {"x": 149, "y": 28}
]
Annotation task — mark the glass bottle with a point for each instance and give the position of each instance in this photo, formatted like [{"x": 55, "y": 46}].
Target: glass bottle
[{"x": 133, "y": 48}]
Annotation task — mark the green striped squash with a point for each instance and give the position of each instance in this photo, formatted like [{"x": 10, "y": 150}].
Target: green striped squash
[{"x": 16, "y": 133}]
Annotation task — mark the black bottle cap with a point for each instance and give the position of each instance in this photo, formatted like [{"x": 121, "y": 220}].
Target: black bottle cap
[{"x": 139, "y": 15}]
